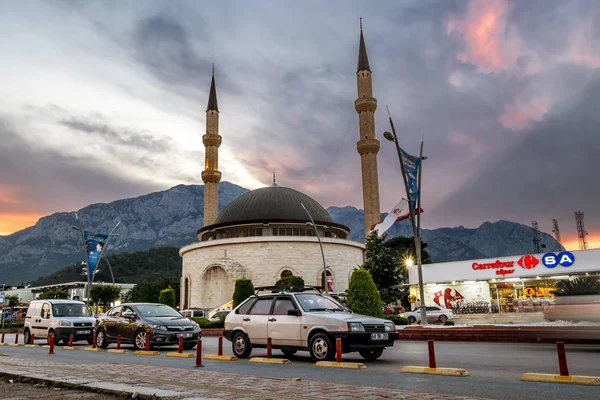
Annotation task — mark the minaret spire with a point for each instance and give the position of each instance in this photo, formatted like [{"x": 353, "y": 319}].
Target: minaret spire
[
  {"x": 211, "y": 176},
  {"x": 367, "y": 145}
]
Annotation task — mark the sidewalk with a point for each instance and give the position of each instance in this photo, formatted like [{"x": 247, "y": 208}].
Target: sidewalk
[{"x": 195, "y": 383}]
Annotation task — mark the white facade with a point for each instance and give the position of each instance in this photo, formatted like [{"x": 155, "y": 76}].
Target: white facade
[{"x": 210, "y": 268}]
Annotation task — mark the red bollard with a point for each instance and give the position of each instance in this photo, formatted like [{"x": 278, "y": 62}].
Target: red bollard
[
  {"x": 431, "y": 351},
  {"x": 17, "y": 338},
  {"x": 94, "y": 341},
  {"x": 220, "y": 353},
  {"x": 31, "y": 341},
  {"x": 199, "y": 354},
  {"x": 269, "y": 349},
  {"x": 51, "y": 350},
  {"x": 338, "y": 350},
  {"x": 147, "y": 342},
  {"x": 2, "y": 338},
  {"x": 180, "y": 349},
  {"x": 562, "y": 359},
  {"x": 118, "y": 342},
  {"x": 71, "y": 340}
]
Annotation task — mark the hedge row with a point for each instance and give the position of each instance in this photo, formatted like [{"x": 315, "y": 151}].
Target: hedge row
[{"x": 205, "y": 323}]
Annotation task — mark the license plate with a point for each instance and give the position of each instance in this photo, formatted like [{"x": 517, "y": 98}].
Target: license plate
[
  {"x": 83, "y": 332},
  {"x": 184, "y": 335},
  {"x": 379, "y": 336}
]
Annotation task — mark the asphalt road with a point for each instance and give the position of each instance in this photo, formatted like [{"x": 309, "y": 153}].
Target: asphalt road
[{"x": 494, "y": 368}]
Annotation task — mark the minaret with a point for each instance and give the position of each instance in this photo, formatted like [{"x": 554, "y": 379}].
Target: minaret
[
  {"x": 368, "y": 145},
  {"x": 211, "y": 175}
]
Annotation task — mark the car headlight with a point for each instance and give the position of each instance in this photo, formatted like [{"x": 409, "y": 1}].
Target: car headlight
[
  {"x": 65, "y": 323},
  {"x": 196, "y": 326},
  {"x": 157, "y": 327},
  {"x": 404, "y": 315},
  {"x": 356, "y": 327},
  {"x": 390, "y": 327}
]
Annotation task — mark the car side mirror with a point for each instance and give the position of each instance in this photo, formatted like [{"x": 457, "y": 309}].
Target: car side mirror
[{"x": 293, "y": 312}]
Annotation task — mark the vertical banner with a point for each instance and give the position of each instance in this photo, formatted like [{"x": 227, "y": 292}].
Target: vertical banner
[
  {"x": 94, "y": 244},
  {"x": 411, "y": 168}
]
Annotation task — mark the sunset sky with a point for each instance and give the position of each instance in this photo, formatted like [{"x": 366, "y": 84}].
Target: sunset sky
[{"x": 105, "y": 100}]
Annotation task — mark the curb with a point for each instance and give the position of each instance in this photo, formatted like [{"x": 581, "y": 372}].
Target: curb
[
  {"x": 181, "y": 355},
  {"x": 435, "y": 371},
  {"x": 70, "y": 348},
  {"x": 31, "y": 345},
  {"x": 96, "y": 350},
  {"x": 15, "y": 345},
  {"x": 119, "y": 351},
  {"x": 270, "y": 360},
  {"x": 3, "y": 344},
  {"x": 346, "y": 365},
  {"x": 215, "y": 357},
  {"x": 572, "y": 379},
  {"x": 146, "y": 353}
]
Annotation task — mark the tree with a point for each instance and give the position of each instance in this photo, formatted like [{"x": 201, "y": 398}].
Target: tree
[
  {"x": 363, "y": 297},
  {"x": 167, "y": 296},
  {"x": 53, "y": 294},
  {"x": 289, "y": 282},
  {"x": 12, "y": 301},
  {"x": 105, "y": 294},
  {"x": 383, "y": 267},
  {"x": 149, "y": 292},
  {"x": 578, "y": 286},
  {"x": 243, "y": 289}
]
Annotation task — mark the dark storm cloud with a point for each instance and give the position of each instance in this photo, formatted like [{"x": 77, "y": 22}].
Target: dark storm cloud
[
  {"x": 552, "y": 171},
  {"x": 117, "y": 135},
  {"x": 46, "y": 181}
]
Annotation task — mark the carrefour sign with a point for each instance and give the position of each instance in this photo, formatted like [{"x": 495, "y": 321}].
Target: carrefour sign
[{"x": 565, "y": 259}]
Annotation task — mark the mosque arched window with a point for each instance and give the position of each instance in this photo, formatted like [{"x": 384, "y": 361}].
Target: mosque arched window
[{"x": 286, "y": 273}]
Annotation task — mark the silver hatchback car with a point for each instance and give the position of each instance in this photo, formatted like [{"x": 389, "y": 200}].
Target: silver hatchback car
[{"x": 296, "y": 319}]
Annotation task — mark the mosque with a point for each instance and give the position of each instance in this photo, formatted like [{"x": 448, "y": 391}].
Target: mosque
[{"x": 267, "y": 234}]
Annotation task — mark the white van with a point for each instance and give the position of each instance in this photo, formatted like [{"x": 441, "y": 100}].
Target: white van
[{"x": 59, "y": 318}]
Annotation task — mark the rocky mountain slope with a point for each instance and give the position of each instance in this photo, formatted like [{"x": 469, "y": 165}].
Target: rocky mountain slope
[{"x": 173, "y": 216}]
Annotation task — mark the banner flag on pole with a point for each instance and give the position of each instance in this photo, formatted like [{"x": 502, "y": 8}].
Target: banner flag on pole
[
  {"x": 411, "y": 168},
  {"x": 94, "y": 243},
  {"x": 398, "y": 213}
]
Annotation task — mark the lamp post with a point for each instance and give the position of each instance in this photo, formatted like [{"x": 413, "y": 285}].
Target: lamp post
[
  {"x": 312, "y": 222},
  {"x": 392, "y": 137}
]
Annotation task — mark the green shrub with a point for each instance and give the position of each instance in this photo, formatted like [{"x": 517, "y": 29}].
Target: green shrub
[
  {"x": 205, "y": 323},
  {"x": 167, "y": 296},
  {"x": 13, "y": 325},
  {"x": 449, "y": 323},
  {"x": 363, "y": 297},
  {"x": 243, "y": 289},
  {"x": 397, "y": 320},
  {"x": 289, "y": 282}
]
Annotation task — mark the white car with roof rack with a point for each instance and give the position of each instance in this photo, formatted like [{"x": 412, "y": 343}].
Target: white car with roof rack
[{"x": 297, "y": 320}]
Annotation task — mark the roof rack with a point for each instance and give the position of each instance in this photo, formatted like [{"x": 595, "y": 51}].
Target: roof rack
[{"x": 287, "y": 289}]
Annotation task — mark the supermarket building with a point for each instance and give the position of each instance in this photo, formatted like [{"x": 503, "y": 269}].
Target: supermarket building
[{"x": 513, "y": 284}]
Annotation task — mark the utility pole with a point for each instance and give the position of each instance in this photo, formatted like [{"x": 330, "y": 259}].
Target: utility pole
[
  {"x": 556, "y": 229},
  {"x": 581, "y": 232}
]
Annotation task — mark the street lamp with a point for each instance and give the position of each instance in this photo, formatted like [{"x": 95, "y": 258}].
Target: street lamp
[
  {"x": 392, "y": 137},
  {"x": 312, "y": 222}
]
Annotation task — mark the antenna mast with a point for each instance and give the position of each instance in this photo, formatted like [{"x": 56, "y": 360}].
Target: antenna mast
[
  {"x": 581, "y": 232},
  {"x": 535, "y": 238},
  {"x": 555, "y": 229}
]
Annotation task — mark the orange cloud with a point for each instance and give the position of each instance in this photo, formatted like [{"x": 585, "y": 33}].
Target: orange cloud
[
  {"x": 518, "y": 113},
  {"x": 573, "y": 243},
  {"x": 490, "y": 42},
  {"x": 10, "y": 223}
]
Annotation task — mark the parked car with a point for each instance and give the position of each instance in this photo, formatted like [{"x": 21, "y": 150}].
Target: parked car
[
  {"x": 195, "y": 313},
  {"x": 219, "y": 315},
  {"x": 135, "y": 321},
  {"x": 434, "y": 314},
  {"x": 301, "y": 320},
  {"x": 59, "y": 318}
]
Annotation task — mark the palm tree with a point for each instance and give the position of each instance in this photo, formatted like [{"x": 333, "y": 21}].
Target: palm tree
[{"x": 578, "y": 286}]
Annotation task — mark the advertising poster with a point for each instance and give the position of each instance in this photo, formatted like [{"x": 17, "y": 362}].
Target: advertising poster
[
  {"x": 94, "y": 244},
  {"x": 447, "y": 295}
]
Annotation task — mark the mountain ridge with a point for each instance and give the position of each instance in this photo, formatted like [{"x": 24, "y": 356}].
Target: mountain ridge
[{"x": 171, "y": 218}]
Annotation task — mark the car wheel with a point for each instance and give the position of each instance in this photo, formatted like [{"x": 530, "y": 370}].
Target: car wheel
[
  {"x": 101, "y": 341},
  {"x": 26, "y": 336},
  {"x": 371, "y": 354},
  {"x": 189, "y": 346},
  {"x": 139, "y": 340},
  {"x": 240, "y": 345},
  {"x": 443, "y": 318},
  {"x": 51, "y": 334},
  {"x": 320, "y": 348},
  {"x": 412, "y": 319},
  {"x": 288, "y": 353}
]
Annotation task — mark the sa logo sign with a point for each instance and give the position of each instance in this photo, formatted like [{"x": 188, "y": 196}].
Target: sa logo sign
[{"x": 565, "y": 258}]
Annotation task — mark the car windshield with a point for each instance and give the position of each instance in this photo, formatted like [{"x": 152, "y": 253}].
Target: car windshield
[
  {"x": 150, "y": 310},
  {"x": 317, "y": 302},
  {"x": 70, "y": 310}
]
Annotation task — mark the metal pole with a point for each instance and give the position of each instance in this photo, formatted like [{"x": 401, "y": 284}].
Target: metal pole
[
  {"x": 418, "y": 249},
  {"x": 87, "y": 287},
  {"x": 320, "y": 245},
  {"x": 412, "y": 215},
  {"x": 100, "y": 258}
]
